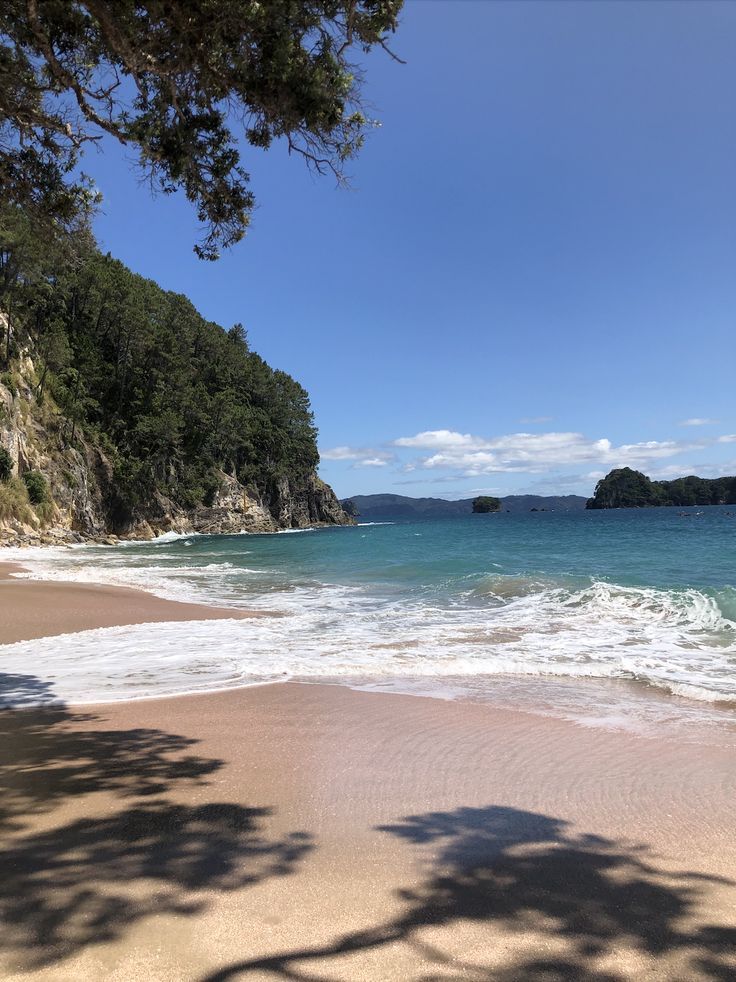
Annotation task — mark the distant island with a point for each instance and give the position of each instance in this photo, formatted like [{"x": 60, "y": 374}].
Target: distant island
[
  {"x": 484, "y": 504},
  {"x": 627, "y": 488},
  {"x": 377, "y": 507}
]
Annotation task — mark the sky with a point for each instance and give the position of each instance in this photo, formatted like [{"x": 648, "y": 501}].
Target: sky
[{"x": 533, "y": 276}]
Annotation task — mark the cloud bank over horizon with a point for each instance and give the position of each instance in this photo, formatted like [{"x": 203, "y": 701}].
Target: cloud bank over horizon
[{"x": 449, "y": 456}]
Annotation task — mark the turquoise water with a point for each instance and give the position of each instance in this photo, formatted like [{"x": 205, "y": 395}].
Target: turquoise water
[{"x": 464, "y": 608}]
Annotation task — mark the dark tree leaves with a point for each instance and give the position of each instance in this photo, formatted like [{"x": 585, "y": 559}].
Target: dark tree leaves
[
  {"x": 627, "y": 488},
  {"x": 172, "y": 399},
  {"x": 180, "y": 83}
]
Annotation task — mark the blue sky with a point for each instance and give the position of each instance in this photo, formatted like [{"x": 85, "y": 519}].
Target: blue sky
[{"x": 533, "y": 278}]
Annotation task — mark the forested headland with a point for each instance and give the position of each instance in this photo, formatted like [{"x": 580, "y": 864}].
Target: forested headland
[
  {"x": 122, "y": 408},
  {"x": 103, "y": 369},
  {"x": 627, "y": 488}
]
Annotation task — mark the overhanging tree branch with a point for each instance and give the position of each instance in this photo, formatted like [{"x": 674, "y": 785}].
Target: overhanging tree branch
[{"x": 168, "y": 80}]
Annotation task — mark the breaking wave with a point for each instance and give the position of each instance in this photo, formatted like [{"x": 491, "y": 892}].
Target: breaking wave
[{"x": 398, "y": 614}]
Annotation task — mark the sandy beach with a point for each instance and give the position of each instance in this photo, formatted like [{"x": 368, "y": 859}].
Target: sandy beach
[
  {"x": 304, "y": 832},
  {"x": 310, "y": 832},
  {"x": 35, "y": 609}
]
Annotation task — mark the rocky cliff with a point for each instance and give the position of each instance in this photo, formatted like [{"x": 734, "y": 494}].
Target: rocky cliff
[{"x": 82, "y": 501}]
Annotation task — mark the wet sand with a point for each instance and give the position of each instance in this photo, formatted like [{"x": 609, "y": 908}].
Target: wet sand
[
  {"x": 35, "y": 609},
  {"x": 306, "y": 832}
]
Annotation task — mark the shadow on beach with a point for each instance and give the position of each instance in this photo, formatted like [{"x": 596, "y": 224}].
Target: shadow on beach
[
  {"x": 502, "y": 894},
  {"x": 512, "y": 873},
  {"x": 85, "y": 882}
]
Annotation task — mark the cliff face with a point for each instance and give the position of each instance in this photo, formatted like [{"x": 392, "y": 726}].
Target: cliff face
[{"x": 83, "y": 500}]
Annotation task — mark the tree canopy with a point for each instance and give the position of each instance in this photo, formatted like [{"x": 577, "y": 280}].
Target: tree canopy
[
  {"x": 485, "y": 504},
  {"x": 180, "y": 83},
  {"x": 171, "y": 399},
  {"x": 627, "y": 488}
]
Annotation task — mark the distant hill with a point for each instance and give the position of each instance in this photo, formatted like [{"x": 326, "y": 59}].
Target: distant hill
[{"x": 378, "y": 507}]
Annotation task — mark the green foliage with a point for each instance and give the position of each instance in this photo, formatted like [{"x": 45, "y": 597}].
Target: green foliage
[
  {"x": 627, "y": 488},
  {"x": 485, "y": 504},
  {"x": 6, "y": 464},
  {"x": 14, "y": 502},
  {"x": 38, "y": 489},
  {"x": 623, "y": 488},
  {"x": 172, "y": 399},
  {"x": 8, "y": 380},
  {"x": 45, "y": 512},
  {"x": 169, "y": 81}
]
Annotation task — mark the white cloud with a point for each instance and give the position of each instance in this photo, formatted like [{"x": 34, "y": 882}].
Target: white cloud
[
  {"x": 451, "y": 456},
  {"x": 535, "y": 419},
  {"x": 364, "y": 456},
  {"x": 438, "y": 439},
  {"x": 339, "y": 453},
  {"x": 698, "y": 421},
  {"x": 727, "y": 469},
  {"x": 533, "y": 452}
]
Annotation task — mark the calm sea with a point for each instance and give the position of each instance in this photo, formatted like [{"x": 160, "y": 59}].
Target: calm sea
[{"x": 616, "y": 618}]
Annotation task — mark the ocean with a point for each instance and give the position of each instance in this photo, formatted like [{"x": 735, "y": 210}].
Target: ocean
[{"x": 623, "y": 619}]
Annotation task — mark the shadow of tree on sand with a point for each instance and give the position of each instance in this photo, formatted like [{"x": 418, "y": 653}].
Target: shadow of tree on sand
[
  {"x": 525, "y": 874},
  {"x": 86, "y": 880}
]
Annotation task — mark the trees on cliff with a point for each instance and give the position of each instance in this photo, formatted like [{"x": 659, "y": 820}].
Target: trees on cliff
[
  {"x": 6, "y": 464},
  {"x": 181, "y": 84},
  {"x": 169, "y": 397}
]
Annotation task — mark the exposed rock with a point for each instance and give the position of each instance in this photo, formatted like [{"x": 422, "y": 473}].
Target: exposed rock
[{"x": 85, "y": 504}]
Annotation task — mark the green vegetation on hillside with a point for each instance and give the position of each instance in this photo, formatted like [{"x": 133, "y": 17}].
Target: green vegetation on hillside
[
  {"x": 179, "y": 85},
  {"x": 627, "y": 488},
  {"x": 17, "y": 496},
  {"x": 169, "y": 397},
  {"x": 14, "y": 503},
  {"x": 38, "y": 489},
  {"x": 485, "y": 504}
]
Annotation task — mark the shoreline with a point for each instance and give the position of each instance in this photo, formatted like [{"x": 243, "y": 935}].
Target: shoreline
[
  {"x": 34, "y": 609},
  {"x": 40, "y": 610},
  {"x": 311, "y": 831},
  {"x": 302, "y": 830},
  {"x": 65, "y": 538}
]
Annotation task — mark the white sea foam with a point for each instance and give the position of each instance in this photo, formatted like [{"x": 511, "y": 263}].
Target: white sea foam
[
  {"x": 471, "y": 643},
  {"x": 678, "y": 642},
  {"x": 171, "y": 537}
]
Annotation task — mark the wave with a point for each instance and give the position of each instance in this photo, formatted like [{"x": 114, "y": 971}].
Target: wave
[
  {"x": 165, "y": 537},
  {"x": 675, "y": 640},
  {"x": 469, "y": 634}
]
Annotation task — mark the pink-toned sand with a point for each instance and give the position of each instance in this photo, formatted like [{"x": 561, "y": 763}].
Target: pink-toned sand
[
  {"x": 35, "y": 609},
  {"x": 298, "y": 832}
]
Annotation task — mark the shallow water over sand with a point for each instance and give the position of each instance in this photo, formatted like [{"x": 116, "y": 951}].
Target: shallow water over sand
[{"x": 594, "y": 612}]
